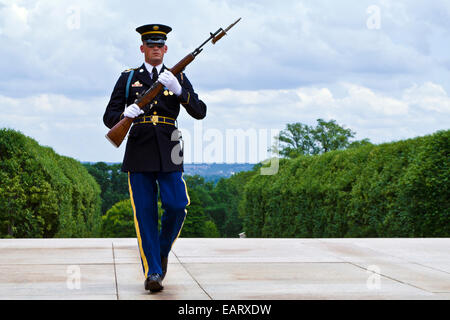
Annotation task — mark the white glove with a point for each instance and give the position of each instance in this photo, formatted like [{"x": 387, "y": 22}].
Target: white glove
[
  {"x": 132, "y": 111},
  {"x": 170, "y": 82}
]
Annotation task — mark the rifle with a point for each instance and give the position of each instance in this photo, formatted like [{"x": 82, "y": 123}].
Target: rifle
[{"x": 117, "y": 133}]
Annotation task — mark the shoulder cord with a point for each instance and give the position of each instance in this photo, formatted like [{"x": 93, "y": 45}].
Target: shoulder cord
[{"x": 127, "y": 90}]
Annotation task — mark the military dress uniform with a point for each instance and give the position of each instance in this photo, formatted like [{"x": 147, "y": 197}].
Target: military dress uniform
[{"x": 153, "y": 158}]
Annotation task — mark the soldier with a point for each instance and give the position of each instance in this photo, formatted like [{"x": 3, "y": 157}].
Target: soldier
[{"x": 153, "y": 155}]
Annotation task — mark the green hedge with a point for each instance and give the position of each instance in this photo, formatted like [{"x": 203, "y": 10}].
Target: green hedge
[
  {"x": 398, "y": 189},
  {"x": 118, "y": 222},
  {"x": 43, "y": 194}
]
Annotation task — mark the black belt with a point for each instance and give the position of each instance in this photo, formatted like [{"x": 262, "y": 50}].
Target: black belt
[{"x": 155, "y": 119}]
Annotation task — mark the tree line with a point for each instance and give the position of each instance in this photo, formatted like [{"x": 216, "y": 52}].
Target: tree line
[{"x": 327, "y": 186}]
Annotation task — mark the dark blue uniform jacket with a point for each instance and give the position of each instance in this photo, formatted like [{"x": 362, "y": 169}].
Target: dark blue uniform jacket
[{"x": 149, "y": 146}]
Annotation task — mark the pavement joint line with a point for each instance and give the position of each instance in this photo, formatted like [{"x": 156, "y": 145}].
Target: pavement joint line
[
  {"x": 393, "y": 279},
  {"x": 388, "y": 277},
  {"x": 115, "y": 273},
  {"x": 432, "y": 268},
  {"x": 184, "y": 267},
  {"x": 394, "y": 256},
  {"x": 227, "y": 256},
  {"x": 54, "y": 264},
  {"x": 259, "y": 262}
]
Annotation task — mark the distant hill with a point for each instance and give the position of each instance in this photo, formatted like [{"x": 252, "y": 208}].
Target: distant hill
[
  {"x": 215, "y": 171},
  {"x": 210, "y": 171}
]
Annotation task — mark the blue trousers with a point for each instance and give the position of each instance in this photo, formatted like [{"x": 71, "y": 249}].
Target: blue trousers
[{"x": 154, "y": 243}]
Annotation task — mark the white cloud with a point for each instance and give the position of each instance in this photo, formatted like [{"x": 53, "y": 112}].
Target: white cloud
[
  {"x": 14, "y": 21},
  {"x": 289, "y": 61},
  {"x": 280, "y": 45},
  {"x": 361, "y": 97},
  {"x": 429, "y": 96}
]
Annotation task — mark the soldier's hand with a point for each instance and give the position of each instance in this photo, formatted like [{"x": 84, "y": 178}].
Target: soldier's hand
[
  {"x": 132, "y": 111},
  {"x": 170, "y": 82}
]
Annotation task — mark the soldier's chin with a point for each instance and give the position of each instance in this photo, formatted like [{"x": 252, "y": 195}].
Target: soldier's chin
[{"x": 155, "y": 61}]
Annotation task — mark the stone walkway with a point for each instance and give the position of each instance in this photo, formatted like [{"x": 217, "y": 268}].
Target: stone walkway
[{"x": 229, "y": 269}]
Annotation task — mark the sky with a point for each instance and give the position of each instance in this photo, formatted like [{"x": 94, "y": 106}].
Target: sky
[{"x": 380, "y": 68}]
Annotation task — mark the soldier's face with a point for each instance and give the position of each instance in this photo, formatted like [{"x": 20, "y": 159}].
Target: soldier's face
[{"x": 153, "y": 55}]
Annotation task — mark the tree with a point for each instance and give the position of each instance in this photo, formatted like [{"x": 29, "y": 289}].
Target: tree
[
  {"x": 295, "y": 140},
  {"x": 112, "y": 181},
  {"x": 199, "y": 222},
  {"x": 118, "y": 222},
  {"x": 228, "y": 195},
  {"x": 331, "y": 136},
  {"x": 301, "y": 139},
  {"x": 359, "y": 143}
]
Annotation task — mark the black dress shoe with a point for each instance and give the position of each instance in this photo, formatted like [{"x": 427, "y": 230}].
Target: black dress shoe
[
  {"x": 153, "y": 283},
  {"x": 164, "y": 266}
]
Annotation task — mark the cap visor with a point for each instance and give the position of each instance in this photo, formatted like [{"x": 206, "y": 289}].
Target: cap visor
[{"x": 155, "y": 41}]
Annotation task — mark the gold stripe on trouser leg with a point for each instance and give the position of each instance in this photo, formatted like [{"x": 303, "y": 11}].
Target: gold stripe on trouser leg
[
  {"x": 136, "y": 224},
  {"x": 189, "y": 202},
  {"x": 185, "y": 188},
  {"x": 179, "y": 232}
]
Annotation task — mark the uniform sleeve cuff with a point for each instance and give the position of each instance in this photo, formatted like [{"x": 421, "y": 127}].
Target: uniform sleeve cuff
[{"x": 184, "y": 96}]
